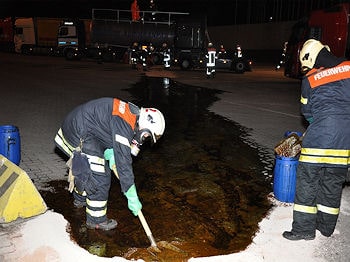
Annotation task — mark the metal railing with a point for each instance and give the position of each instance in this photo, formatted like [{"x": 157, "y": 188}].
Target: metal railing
[{"x": 152, "y": 17}]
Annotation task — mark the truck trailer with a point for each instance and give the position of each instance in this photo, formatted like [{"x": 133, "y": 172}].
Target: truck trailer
[
  {"x": 110, "y": 33},
  {"x": 330, "y": 26},
  {"x": 36, "y": 35}
]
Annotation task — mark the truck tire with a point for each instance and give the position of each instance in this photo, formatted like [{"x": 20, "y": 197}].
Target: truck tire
[
  {"x": 108, "y": 56},
  {"x": 185, "y": 64},
  {"x": 156, "y": 58},
  {"x": 70, "y": 54},
  {"x": 239, "y": 67}
]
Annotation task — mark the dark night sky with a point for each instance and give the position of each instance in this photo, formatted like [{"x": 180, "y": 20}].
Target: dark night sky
[{"x": 219, "y": 12}]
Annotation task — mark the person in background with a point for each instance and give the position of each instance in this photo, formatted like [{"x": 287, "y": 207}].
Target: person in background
[
  {"x": 324, "y": 158},
  {"x": 134, "y": 55},
  {"x": 211, "y": 57},
  {"x": 144, "y": 57},
  {"x": 105, "y": 129},
  {"x": 238, "y": 51},
  {"x": 135, "y": 11},
  {"x": 222, "y": 52},
  {"x": 166, "y": 56}
]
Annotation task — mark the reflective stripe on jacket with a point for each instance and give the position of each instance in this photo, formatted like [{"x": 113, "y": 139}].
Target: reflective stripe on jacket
[
  {"x": 325, "y": 97},
  {"x": 104, "y": 123}
]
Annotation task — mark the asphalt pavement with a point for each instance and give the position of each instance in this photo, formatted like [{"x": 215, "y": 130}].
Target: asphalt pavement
[{"x": 37, "y": 92}]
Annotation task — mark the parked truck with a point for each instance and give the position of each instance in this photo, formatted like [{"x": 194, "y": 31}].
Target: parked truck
[
  {"x": 30, "y": 35},
  {"x": 36, "y": 35},
  {"x": 110, "y": 33},
  {"x": 330, "y": 26}
]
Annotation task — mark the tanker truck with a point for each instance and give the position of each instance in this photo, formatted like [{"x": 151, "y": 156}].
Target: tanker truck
[{"x": 110, "y": 33}]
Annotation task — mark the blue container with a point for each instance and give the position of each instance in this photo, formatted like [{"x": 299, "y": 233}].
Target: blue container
[
  {"x": 288, "y": 133},
  {"x": 10, "y": 143},
  {"x": 285, "y": 178}
]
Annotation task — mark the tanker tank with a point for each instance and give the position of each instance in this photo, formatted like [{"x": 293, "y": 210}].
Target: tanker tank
[{"x": 124, "y": 34}]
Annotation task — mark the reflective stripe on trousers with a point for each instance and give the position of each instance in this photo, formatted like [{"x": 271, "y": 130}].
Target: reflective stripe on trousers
[
  {"x": 317, "y": 198},
  {"x": 98, "y": 185},
  {"x": 97, "y": 164}
]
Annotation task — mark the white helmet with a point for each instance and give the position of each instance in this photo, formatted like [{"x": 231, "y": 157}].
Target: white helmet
[
  {"x": 309, "y": 53},
  {"x": 152, "y": 119}
]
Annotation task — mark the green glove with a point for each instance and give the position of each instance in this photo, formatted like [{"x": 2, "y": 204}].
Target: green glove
[
  {"x": 109, "y": 155},
  {"x": 134, "y": 203},
  {"x": 310, "y": 120}
]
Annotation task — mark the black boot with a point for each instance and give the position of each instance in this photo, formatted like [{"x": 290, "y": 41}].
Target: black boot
[
  {"x": 107, "y": 225},
  {"x": 293, "y": 236}
]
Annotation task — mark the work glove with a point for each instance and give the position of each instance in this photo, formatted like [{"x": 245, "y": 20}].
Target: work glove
[
  {"x": 109, "y": 155},
  {"x": 70, "y": 175},
  {"x": 310, "y": 120},
  {"x": 134, "y": 203}
]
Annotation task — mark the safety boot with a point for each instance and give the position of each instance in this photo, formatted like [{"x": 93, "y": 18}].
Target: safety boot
[
  {"x": 293, "y": 236},
  {"x": 107, "y": 225},
  {"x": 79, "y": 204}
]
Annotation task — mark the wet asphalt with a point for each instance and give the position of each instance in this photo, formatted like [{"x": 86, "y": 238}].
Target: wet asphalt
[{"x": 37, "y": 92}]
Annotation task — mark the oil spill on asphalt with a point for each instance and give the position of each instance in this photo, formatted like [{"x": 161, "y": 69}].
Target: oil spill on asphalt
[{"x": 203, "y": 187}]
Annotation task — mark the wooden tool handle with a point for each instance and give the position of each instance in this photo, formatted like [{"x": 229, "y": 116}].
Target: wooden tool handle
[{"x": 146, "y": 228}]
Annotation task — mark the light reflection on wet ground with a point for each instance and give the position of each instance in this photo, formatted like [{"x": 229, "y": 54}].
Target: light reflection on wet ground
[{"x": 203, "y": 187}]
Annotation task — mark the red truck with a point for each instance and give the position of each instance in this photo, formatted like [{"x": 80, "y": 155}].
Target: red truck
[
  {"x": 6, "y": 34},
  {"x": 330, "y": 26}
]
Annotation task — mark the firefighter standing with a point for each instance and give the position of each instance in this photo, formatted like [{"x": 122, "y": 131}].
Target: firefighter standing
[
  {"x": 324, "y": 158},
  {"x": 105, "y": 128},
  {"x": 144, "y": 57},
  {"x": 134, "y": 57},
  {"x": 238, "y": 52},
  {"x": 211, "y": 57},
  {"x": 222, "y": 52},
  {"x": 135, "y": 11},
  {"x": 166, "y": 56}
]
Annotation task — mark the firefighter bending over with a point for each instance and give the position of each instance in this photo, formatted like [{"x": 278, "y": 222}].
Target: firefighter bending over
[
  {"x": 325, "y": 153},
  {"x": 99, "y": 130}
]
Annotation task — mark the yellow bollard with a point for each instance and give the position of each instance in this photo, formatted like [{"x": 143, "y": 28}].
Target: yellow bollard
[{"x": 19, "y": 198}]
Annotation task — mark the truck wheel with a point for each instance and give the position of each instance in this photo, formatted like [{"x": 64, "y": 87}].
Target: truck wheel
[
  {"x": 70, "y": 54},
  {"x": 156, "y": 59},
  {"x": 25, "y": 51},
  {"x": 107, "y": 57},
  {"x": 185, "y": 64},
  {"x": 239, "y": 67}
]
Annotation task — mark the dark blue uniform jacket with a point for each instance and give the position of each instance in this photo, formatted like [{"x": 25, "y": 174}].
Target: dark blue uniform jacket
[
  {"x": 325, "y": 97},
  {"x": 105, "y": 123}
]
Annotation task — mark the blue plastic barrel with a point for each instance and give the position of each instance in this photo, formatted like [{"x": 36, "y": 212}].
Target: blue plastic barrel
[
  {"x": 285, "y": 178},
  {"x": 10, "y": 143},
  {"x": 288, "y": 133}
]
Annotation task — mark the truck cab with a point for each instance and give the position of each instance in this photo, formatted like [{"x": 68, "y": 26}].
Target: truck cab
[
  {"x": 71, "y": 39},
  {"x": 190, "y": 42}
]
